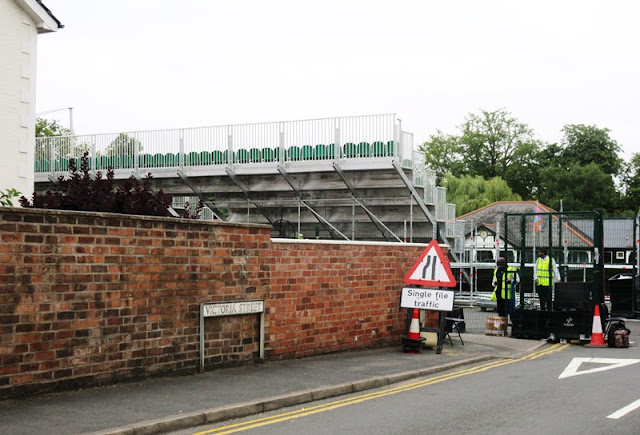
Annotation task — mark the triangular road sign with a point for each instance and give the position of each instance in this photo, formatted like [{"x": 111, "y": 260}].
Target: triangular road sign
[
  {"x": 431, "y": 269},
  {"x": 611, "y": 363}
]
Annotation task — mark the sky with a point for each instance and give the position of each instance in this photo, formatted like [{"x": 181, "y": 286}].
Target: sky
[{"x": 131, "y": 65}]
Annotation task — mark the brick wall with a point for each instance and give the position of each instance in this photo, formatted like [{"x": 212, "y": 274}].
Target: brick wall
[{"x": 91, "y": 298}]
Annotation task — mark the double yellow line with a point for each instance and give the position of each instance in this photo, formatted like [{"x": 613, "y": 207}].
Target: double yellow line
[{"x": 365, "y": 397}]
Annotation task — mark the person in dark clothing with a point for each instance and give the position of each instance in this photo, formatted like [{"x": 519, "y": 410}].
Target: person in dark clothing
[{"x": 504, "y": 280}]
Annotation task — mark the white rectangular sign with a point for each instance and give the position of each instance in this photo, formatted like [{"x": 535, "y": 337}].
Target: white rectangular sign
[
  {"x": 232, "y": 308},
  {"x": 427, "y": 299}
]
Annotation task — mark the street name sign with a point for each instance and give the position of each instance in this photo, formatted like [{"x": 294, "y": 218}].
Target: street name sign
[
  {"x": 232, "y": 308},
  {"x": 219, "y": 309}
]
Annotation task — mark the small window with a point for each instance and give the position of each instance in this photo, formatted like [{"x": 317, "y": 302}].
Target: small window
[
  {"x": 608, "y": 257},
  {"x": 620, "y": 255}
]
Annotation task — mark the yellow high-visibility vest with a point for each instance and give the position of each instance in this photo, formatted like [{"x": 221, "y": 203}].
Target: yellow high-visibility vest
[
  {"x": 510, "y": 275},
  {"x": 543, "y": 271}
]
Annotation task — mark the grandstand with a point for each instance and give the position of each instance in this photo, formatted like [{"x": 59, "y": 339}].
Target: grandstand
[{"x": 346, "y": 178}]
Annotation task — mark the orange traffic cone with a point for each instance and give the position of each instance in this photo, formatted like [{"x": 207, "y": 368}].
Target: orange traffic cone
[
  {"x": 414, "y": 328},
  {"x": 413, "y": 341},
  {"x": 597, "y": 337}
]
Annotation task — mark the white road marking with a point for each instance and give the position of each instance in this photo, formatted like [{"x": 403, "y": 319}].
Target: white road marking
[
  {"x": 613, "y": 363},
  {"x": 624, "y": 411}
]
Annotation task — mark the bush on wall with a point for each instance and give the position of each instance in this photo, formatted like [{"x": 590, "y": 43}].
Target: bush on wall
[{"x": 81, "y": 192}]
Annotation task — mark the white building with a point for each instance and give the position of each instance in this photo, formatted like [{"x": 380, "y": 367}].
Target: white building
[{"x": 21, "y": 21}]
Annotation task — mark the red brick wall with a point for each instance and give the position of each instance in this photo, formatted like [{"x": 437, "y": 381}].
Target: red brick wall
[{"x": 91, "y": 298}]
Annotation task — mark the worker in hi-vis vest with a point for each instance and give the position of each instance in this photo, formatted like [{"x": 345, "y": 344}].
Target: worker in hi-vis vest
[
  {"x": 545, "y": 271},
  {"x": 504, "y": 277}
]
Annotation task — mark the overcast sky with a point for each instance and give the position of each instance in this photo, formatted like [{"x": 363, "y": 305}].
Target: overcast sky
[{"x": 127, "y": 65}]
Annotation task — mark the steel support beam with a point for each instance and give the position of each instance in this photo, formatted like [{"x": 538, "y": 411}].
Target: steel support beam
[
  {"x": 195, "y": 190},
  {"x": 321, "y": 219},
  {"x": 377, "y": 222},
  {"x": 424, "y": 209},
  {"x": 245, "y": 190}
]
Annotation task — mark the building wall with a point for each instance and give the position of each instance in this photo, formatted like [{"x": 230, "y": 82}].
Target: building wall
[
  {"x": 92, "y": 298},
  {"x": 18, "y": 43}
]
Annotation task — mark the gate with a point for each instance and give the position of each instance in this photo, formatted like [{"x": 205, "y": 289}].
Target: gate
[{"x": 575, "y": 241}]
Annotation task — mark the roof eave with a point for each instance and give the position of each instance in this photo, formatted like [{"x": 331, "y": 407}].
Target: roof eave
[{"x": 43, "y": 18}]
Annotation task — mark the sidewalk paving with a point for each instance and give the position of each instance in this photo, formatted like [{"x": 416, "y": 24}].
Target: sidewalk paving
[{"x": 177, "y": 402}]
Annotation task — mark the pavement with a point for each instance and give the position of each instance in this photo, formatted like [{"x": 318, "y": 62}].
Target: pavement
[{"x": 172, "y": 403}]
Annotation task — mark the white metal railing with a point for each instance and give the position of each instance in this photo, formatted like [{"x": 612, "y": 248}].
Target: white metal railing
[
  {"x": 430, "y": 187},
  {"x": 451, "y": 219},
  {"x": 316, "y": 139},
  {"x": 441, "y": 204},
  {"x": 419, "y": 170},
  {"x": 406, "y": 149}
]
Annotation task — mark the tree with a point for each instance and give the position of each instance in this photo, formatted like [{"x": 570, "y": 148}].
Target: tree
[
  {"x": 53, "y": 136},
  {"x": 585, "y": 144},
  {"x": 580, "y": 188},
  {"x": 470, "y": 193},
  {"x": 46, "y": 128},
  {"x": 631, "y": 185},
  {"x": 494, "y": 141},
  {"x": 443, "y": 153},
  {"x": 122, "y": 145},
  {"x": 491, "y": 144},
  {"x": 50, "y": 127}
]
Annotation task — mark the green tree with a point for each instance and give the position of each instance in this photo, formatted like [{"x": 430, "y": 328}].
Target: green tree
[
  {"x": 585, "y": 144},
  {"x": 50, "y": 127},
  {"x": 51, "y": 135},
  {"x": 51, "y": 131},
  {"x": 443, "y": 153},
  {"x": 494, "y": 141},
  {"x": 122, "y": 145},
  {"x": 470, "y": 193},
  {"x": 631, "y": 185},
  {"x": 579, "y": 188}
]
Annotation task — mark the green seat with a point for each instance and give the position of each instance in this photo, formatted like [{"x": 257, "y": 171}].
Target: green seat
[
  {"x": 349, "y": 149},
  {"x": 36, "y": 166},
  {"x": 276, "y": 154},
  {"x": 145, "y": 160},
  {"x": 193, "y": 159},
  {"x": 307, "y": 152},
  {"x": 242, "y": 156},
  {"x": 126, "y": 162},
  {"x": 293, "y": 153},
  {"x": 45, "y": 165},
  {"x": 158, "y": 160},
  {"x": 226, "y": 158},
  {"x": 364, "y": 150},
  {"x": 205, "y": 158},
  {"x": 115, "y": 162},
  {"x": 321, "y": 152},
  {"x": 62, "y": 165},
  {"x": 103, "y": 162},
  {"x": 217, "y": 157},
  {"x": 267, "y": 155},
  {"x": 390, "y": 148},
  {"x": 378, "y": 149},
  {"x": 255, "y": 155},
  {"x": 331, "y": 150},
  {"x": 170, "y": 159}
]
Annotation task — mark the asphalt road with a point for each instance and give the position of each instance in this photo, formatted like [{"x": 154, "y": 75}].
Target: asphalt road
[{"x": 558, "y": 389}]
